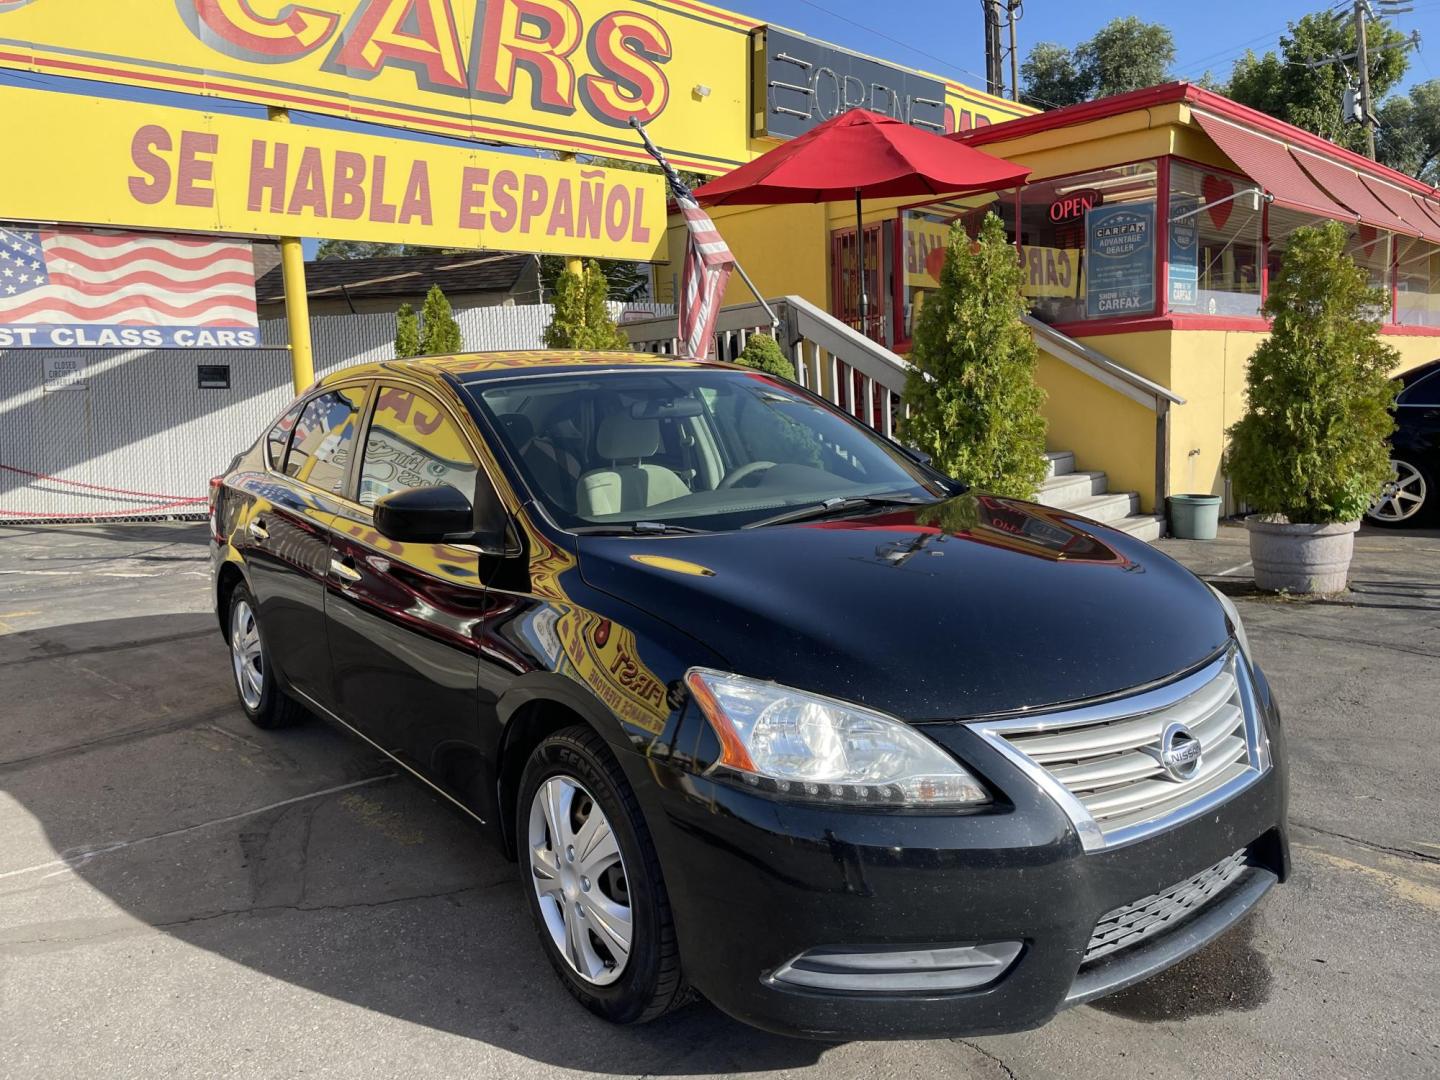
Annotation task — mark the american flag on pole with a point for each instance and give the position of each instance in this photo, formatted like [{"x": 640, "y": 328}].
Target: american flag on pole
[
  {"x": 78, "y": 288},
  {"x": 707, "y": 267}
]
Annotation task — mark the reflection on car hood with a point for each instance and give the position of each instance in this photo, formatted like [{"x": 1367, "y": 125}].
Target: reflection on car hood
[{"x": 965, "y": 607}]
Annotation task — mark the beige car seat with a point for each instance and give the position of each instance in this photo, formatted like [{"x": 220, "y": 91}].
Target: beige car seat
[{"x": 629, "y": 483}]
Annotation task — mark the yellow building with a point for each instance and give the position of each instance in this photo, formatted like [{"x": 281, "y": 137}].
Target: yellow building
[{"x": 1149, "y": 226}]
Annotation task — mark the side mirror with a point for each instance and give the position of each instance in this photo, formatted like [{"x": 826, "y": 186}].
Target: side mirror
[
  {"x": 915, "y": 454},
  {"x": 426, "y": 515}
]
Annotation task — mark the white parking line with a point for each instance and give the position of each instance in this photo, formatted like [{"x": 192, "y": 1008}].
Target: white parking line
[
  {"x": 78, "y": 857},
  {"x": 1232, "y": 570}
]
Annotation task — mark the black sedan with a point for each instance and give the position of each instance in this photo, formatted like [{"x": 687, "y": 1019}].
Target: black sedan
[
  {"x": 1410, "y": 497},
  {"x": 762, "y": 705}
]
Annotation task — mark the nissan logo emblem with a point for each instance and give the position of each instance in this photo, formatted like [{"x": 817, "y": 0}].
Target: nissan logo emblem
[{"x": 1178, "y": 753}]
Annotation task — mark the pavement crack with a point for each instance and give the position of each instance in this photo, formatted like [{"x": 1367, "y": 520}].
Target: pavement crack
[
  {"x": 120, "y": 737},
  {"x": 986, "y": 1054},
  {"x": 123, "y": 646},
  {"x": 1387, "y": 646},
  {"x": 1400, "y": 852}
]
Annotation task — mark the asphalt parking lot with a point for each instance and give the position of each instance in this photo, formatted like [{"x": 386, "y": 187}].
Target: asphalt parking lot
[{"x": 184, "y": 895}]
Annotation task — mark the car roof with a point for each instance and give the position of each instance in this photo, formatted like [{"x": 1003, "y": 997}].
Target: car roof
[
  {"x": 1415, "y": 374},
  {"x": 477, "y": 366}
]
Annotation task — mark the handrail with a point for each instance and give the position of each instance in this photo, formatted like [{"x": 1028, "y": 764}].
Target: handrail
[{"x": 1100, "y": 367}]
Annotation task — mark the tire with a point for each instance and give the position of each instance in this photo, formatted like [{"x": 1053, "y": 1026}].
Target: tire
[
  {"x": 646, "y": 982},
  {"x": 260, "y": 695},
  {"x": 1409, "y": 497}
]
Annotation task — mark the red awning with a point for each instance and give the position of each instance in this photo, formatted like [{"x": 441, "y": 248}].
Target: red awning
[
  {"x": 1345, "y": 185},
  {"x": 1405, "y": 208},
  {"x": 1268, "y": 162},
  {"x": 1429, "y": 207}
]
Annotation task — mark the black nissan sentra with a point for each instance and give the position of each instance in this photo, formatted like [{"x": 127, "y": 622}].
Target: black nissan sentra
[{"x": 763, "y": 706}]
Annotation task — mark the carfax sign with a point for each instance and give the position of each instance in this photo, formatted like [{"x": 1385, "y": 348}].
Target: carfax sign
[
  {"x": 1184, "y": 254},
  {"x": 1120, "y": 260}
]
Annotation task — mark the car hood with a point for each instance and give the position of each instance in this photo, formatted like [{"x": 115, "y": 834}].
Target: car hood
[{"x": 967, "y": 607}]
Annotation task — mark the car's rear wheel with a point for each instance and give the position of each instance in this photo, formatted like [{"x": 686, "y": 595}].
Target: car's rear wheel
[
  {"x": 593, "y": 881},
  {"x": 264, "y": 702},
  {"x": 1408, "y": 496}
]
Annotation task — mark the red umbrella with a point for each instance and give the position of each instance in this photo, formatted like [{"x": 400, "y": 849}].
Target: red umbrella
[{"x": 861, "y": 154}]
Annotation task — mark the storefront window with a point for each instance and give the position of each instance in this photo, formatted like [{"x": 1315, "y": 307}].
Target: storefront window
[
  {"x": 922, "y": 246},
  {"x": 1367, "y": 245},
  {"x": 1214, "y": 242},
  {"x": 1088, "y": 244},
  {"x": 1417, "y": 284}
]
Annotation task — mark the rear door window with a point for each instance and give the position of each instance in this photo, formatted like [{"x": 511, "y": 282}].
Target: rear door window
[
  {"x": 412, "y": 442},
  {"x": 279, "y": 437},
  {"x": 321, "y": 448},
  {"x": 1425, "y": 393}
]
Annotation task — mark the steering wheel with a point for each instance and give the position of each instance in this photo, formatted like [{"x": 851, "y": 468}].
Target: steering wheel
[{"x": 731, "y": 479}]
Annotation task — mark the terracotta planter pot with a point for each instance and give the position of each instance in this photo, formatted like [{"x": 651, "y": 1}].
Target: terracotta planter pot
[{"x": 1301, "y": 558}]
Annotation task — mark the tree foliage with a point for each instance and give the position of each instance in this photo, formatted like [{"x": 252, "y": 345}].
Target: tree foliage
[
  {"x": 439, "y": 332},
  {"x": 1409, "y": 135},
  {"x": 1125, "y": 54},
  {"x": 1312, "y": 98},
  {"x": 581, "y": 319},
  {"x": 624, "y": 280},
  {"x": 1311, "y": 445},
  {"x": 407, "y": 333},
  {"x": 370, "y": 249},
  {"x": 974, "y": 404},
  {"x": 762, "y": 352}
]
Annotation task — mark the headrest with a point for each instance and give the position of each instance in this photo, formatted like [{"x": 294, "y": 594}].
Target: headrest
[
  {"x": 518, "y": 427},
  {"x": 623, "y": 437}
]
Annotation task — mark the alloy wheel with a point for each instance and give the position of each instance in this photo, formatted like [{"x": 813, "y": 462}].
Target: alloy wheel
[
  {"x": 579, "y": 878},
  {"x": 246, "y": 655},
  {"x": 1403, "y": 495}
]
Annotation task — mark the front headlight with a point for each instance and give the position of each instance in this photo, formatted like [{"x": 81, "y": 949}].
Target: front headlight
[
  {"x": 805, "y": 746},
  {"x": 1235, "y": 623}
]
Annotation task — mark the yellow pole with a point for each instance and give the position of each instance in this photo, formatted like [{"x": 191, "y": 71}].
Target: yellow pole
[
  {"x": 297, "y": 302},
  {"x": 572, "y": 262}
]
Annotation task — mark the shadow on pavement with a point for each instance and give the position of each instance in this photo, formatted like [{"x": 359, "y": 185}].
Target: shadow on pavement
[{"x": 124, "y": 746}]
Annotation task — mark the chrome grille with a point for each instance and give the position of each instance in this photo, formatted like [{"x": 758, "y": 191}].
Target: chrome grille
[
  {"x": 1133, "y": 923},
  {"x": 1103, "y": 763}
]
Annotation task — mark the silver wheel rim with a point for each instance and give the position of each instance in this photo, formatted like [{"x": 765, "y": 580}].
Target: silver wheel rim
[
  {"x": 580, "y": 880},
  {"x": 246, "y": 655},
  {"x": 1403, "y": 495}
]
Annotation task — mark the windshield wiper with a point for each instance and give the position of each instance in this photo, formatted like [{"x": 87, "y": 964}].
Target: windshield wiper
[
  {"x": 836, "y": 505},
  {"x": 636, "y": 528}
]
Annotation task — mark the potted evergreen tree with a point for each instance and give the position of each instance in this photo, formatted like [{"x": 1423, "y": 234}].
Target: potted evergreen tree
[
  {"x": 974, "y": 403},
  {"x": 582, "y": 319},
  {"x": 762, "y": 352},
  {"x": 1309, "y": 454}
]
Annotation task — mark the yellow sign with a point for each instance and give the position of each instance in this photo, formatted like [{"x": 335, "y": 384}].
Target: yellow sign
[
  {"x": 558, "y": 74},
  {"x": 149, "y": 166}
]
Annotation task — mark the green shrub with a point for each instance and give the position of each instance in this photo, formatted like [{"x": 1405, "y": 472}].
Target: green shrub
[
  {"x": 974, "y": 404},
  {"x": 1311, "y": 445},
  {"x": 581, "y": 319},
  {"x": 407, "y": 333},
  {"x": 439, "y": 332},
  {"x": 762, "y": 352}
]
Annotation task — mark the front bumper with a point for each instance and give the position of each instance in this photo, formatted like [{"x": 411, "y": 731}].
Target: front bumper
[{"x": 754, "y": 883}]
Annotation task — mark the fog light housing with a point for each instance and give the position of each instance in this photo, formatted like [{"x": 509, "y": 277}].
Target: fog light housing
[{"x": 883, "y": 969}]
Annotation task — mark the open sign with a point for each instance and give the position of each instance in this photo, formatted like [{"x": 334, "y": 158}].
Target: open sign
[{"x": 1072, "y": 206}]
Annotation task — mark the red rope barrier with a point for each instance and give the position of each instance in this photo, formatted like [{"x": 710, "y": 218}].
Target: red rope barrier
[{"x": 176, "y": 499}]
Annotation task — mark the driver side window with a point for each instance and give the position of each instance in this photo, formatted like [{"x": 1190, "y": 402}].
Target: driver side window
[{"x": 412, "y": 443}]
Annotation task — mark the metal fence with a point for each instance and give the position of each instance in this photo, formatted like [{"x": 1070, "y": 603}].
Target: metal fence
[{"x": 138, "y": 437}]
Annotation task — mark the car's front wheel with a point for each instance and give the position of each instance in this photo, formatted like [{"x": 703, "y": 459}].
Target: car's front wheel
[
  {"x": 264, "y": 702},
  {"x": 1408, "y": 496},
  {"x": 593, "y": 881}
]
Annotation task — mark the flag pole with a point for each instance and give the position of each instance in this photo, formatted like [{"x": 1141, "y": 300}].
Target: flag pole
[{"x": 678, "y": 187}]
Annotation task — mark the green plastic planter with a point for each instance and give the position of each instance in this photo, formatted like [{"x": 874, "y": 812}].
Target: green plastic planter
[{"x": 1194, "y": 517}]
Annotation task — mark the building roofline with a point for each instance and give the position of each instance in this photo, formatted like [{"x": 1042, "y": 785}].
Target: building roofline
[{"x": 1198, "y": 97}]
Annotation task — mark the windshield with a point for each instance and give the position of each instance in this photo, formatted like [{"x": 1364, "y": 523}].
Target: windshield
[{"x": 694, "y": 449}]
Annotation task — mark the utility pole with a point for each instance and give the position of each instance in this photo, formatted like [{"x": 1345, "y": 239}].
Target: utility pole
[
  {"x": 1009, "y": 12},
  {"x": 1362, "y": 9},
  {"x": 1012, "y": 13}
]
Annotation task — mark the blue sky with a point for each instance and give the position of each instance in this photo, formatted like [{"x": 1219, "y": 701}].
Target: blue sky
[{"x": 946, "y": 36}]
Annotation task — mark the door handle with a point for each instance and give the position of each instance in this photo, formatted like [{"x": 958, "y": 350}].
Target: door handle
[
  {"x": 258, "y": 530},
  {"x": 344, "y": 572}
]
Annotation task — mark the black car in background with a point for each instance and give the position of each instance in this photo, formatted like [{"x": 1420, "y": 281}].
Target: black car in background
[
  {"x": 1410, "y": 497},
  {"x": 762, "y": 705}
]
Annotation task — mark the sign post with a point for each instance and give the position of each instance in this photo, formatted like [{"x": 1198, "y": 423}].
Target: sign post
[{"x": 297, "y": 299}]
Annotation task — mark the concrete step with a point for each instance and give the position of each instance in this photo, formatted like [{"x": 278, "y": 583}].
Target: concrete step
[
  {"x": 1145, "y": 527},
  {"x": 1060, "y": 462},
  {"x": 1064, "y": 490},
  {"x": 1108, "y": 508}
]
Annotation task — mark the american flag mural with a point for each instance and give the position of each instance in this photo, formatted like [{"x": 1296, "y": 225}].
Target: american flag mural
[{"x": 80, "y": 288}]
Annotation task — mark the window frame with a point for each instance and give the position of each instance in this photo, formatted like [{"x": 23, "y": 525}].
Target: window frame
[
  {"x": 1432, "y": 381},
  {"x": 367, "y": 386},
  {"x": 381, "y": 384}
]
